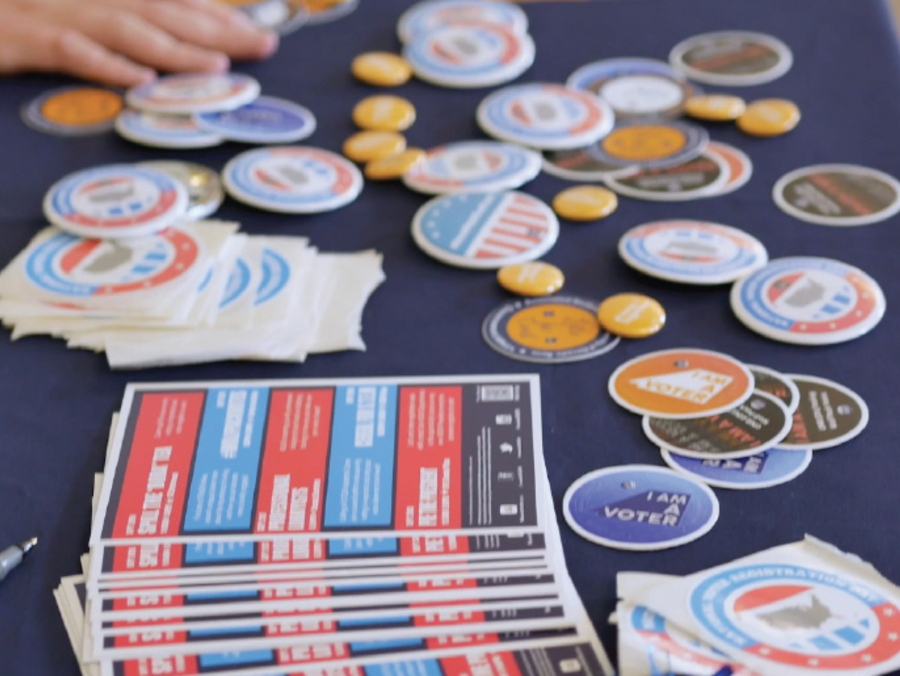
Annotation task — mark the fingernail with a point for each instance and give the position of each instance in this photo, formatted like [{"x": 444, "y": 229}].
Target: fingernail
[
  {"x": 147, "y": 75},
  {"x": 270, "y": 44}
]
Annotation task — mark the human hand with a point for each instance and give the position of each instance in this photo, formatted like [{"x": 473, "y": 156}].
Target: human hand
[{"x": 124, "y": 42}]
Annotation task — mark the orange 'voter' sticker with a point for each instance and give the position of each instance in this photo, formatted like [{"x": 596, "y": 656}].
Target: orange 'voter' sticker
[
  {"x": 82, "y": 107},
  {"x": 681, "y": 383}
]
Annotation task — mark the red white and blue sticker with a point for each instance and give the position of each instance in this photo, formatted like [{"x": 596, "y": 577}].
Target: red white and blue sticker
[
  {"x": 473, "y": 166},
  {"x": 485, "y": 230},
  {"x": 545, "y": 116},
  {"x": 640, "y": 508},
  {"x": 75, "y": 268},
  {"x": 692, "y": 252},
  {"x": 791, "y": 619},
  {"x": 470, "y": 55},
  {"x": 189, "y": 93},
  {"x": 265, "y": 120},
  {"x": 425, "y": 17},
  {"x": 769, "y": 468},
  {"x": 808, "y": 301},
  {"x": 116, "y": 200},
  {"x": 292, "y": 180},
  {"x": 164, "y": 131},
  {"x": 635, "y": 87}
]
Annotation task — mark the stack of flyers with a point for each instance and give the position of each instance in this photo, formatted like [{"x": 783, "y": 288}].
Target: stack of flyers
[
  {"x": 194, "y": 292},
  {"x": 373, "y": 527}
]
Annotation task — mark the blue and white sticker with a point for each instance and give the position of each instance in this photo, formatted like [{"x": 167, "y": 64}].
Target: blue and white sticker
[
  {"x": 692, "y": 252},
  {"x": 164, "y": 131},
  {"x": 473, "y": 166},
  {"x": 424, "y": 17},
  {"x": 770, "y": 468},
  {"x": 640, "y": 508},
  {"x": 485, "y": 231},
  {"x": 116, "y": 200},
  {"x": 189, "y": 93},
  {"x": 292, "y": 179},
  {"x": 808, "y": 301},
  {"x": 265, "y": 120},
  {"x": 470, "y": 55},
  {"x": 635, "y": 87},
  {"x": 545, "y": 116}
]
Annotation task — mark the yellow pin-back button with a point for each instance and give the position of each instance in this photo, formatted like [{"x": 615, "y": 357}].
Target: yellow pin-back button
[
  {"x": 384, "y": 113},
  {"x": 394, "y": 166},
  {"x": 531, "y": 279},
  {"x": 769, "y": 117},
  {"x": 381, "y": 69},
  {"x": 585, "y": 203},
  {"x": 366, "y": 146},
  {"x": 715, "y": 107},
  {"x": 631, "y": 315}
]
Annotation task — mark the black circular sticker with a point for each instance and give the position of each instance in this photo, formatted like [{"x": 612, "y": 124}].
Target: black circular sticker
[
  {"x": 581, "y": 165},
  {"x": 732, "y": 58},
  {"x": 829, "y": 414},
  {"x": 778, "y": 385},
  {"x": 758, "y": 424},
  {"x": 699, "y": 177}
]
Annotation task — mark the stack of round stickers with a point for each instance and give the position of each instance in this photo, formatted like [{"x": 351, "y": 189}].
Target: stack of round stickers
[{"x": 466, "y": 43}]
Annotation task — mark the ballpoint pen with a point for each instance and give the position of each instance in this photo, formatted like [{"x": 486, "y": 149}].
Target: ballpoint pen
[{"x": 12, "y": 556}]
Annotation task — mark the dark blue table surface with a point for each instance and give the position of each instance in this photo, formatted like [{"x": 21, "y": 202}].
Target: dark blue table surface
[{"x": 56, "y": 403}]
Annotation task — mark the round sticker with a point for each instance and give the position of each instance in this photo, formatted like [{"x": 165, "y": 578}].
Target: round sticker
[
  {"x": 631, "y": 315},
  {"x": 164, "y": 131},
  {"x": 681, "y": 383},
  {"x": 425, "y": 17},
  {"x": 582, "y": 165},
  {"x": 485, "y": 230},
  {"x": 116, "y": 200},
  {"x": 740, "y": 168},
  {"x": 635, "y": 87},
  {"x": 265, "y": 120},
  {"x": 292, "y": 180},
  {"x": 770, "y": 468},
  {"x": 703, "y": 176},
  {"x": 470, "y": 55},
  {"x": 384, "y": 113},
  {"x": 838, "y": 194},
  {"x": 205, "y": 192},
  {"x": 325, "y": 11},
  {"x": 692, "y": 252},
  {"x": 732, "y": 58},
  {"x": 474, "y": 166},
  {"x": 769, "y": 117},
  {"x": 808, "y": 301},
  {"x": 585, "y": 203},
  {"x": 73, "y": 111},
  {"x": 652, "y": 145},
  {"x": 790, "y": 618},
  {"x": 828, "y": 415},
  {"x": 282, "y": 16},
  {"x": 639, "y": 508},
  {"x": 777, "y": 384},
  {"x": 545, "y": 116},
  {"x": 185, "y": 94},
  {"x": 394, "y": 166},
  {"x": 75, "y": 268},
  {"x": 532, "y": 279},
  {"x": 754, "y": 426},
  {"x": 366, "y": 146},
  {"x": 715, "y": 107},
  {"x": 381, "y": 69},
  {"x": 553, "y": 330}
]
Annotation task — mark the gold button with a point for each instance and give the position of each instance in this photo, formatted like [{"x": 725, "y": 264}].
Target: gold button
[
  {"x": 585, "y": 203},
  {"x": 384, "y": 113},
  {"x": 769, "y": 117},
  {"x": 366, "y": 146},
  {"x": 531, "y": 279},
  {"x": 394, "y": 166},
  {"x": 715, "y": 107},
  {"x": 631, "y": 315},
  {"x": 381, "y": 69}
]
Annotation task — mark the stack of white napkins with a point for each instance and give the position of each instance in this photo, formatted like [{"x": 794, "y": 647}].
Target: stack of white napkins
[{"x": 196, "y": 292}]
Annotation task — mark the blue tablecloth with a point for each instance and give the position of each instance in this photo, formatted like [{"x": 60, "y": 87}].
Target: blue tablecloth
[{"x": 426, "y": 319}]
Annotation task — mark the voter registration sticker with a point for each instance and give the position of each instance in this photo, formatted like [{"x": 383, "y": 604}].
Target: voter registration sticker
[
  {"x": 116, "y": 200},
  {"x": 205, "y": 192},
  {"x": 185, "y": 94},
  {"x": 838, "y": 194},
  {"x": 639, "y": 508},
  {"x": 552, "y": 330},
  {"x": 652, "y": 145},
  {"x": 681, "y": 383},
  {"x": 828, "y": 415},
  {"x": 485, "y": 230},
  {"x": 73, "y": 111},
  {"x": 292, "y": 179},
  {"x": 777, "y": 384},
  {"x": 808, "y": 301},
  {"x": 545, "y": 116},
  {"x": 754, "y": 426},
  {"x": 425, "y": 17},
  {"x": 763, "y": 470},
  {"x": 474, "y": 166},
  {"x": 732, "y": 58},
  {"x": 265, "y": 120},
  {"x": 164, "y": 131},
  {"x": 692, "y": 252},
  {"x": 703, "y": 176}
]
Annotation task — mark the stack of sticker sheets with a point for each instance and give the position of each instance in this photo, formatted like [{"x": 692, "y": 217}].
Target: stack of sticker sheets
[
  {"x": 386, "y": 525},
  {"x": 800, "y": 608},
  {"x": 193, "y": 292}
]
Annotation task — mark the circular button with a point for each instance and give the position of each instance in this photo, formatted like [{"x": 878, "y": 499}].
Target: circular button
[
  {"x": 366, "y": 146},
  {"x": 769, "y": 117},
  {"x": 384, "y": 113},
  {"x": 394, "y": 166},
  {"x": 585, "y": 203},
  {"x": 715, "y": 107},
  {"x": 631, "y": 315},
  {"x": 531, "y": 279},
  {"x": 381, "y": 69}
]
